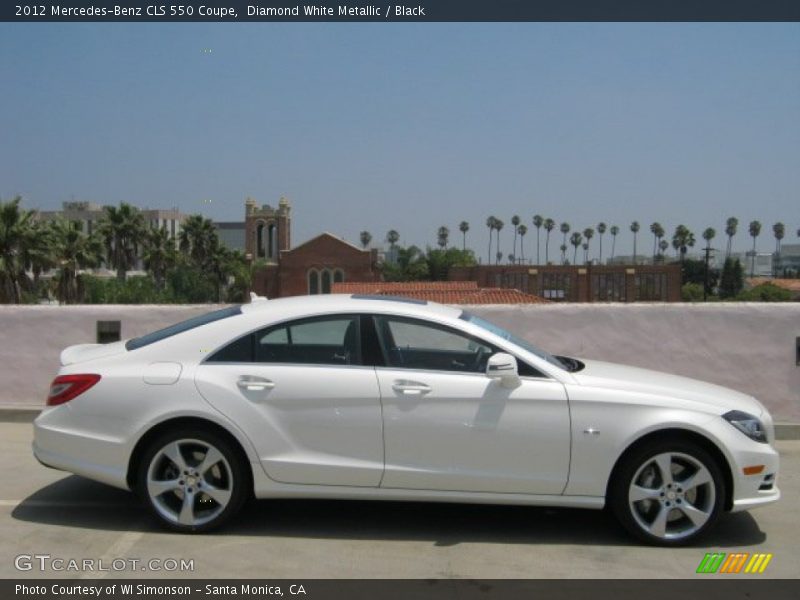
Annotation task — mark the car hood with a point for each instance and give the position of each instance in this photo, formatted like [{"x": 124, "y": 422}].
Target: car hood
[{"x": 644, "y": 381}]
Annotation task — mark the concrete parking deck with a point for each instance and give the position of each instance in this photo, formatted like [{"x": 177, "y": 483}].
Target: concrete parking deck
[{"x": 43, "y": 511}]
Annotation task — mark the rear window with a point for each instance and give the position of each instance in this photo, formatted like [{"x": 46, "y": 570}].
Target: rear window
[{"x": 186, "y": 325}]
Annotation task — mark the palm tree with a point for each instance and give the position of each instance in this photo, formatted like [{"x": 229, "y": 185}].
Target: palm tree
[
  {"x": 585, "y": 247},
  {"x": 515, "y": 221},
  {"x": 197, "y": 238},
  {"x": 16, "y": 227},
  {"x": 682, "y": 240},
  {"x": 564, "y": 228},
  {"x": 498, "y": 225},
  {"x": 755, "y": 231},
  {"x": 37, "y": 250},
  {"x": 442, "y": 236},
  {"x": 218, "y": 265},
  {"x": 410, "y": 265},
  {"x": 34, "y": 252},
  {"x": 663, "y": 245},
  {"x": 549, "y": 225},
  {"x": 538, "y": 221},
  {"x": 635, "y": 230},
  {"x": 490, "y": 221},
  {"x": 522, "y": 229},
  {"x": 563, "y": 249},
  {"x": 779, "y": 230},
  {"x": 122, "y": 230},
  {"x": 159, "y": 254},
  {"x": 463, "y": 227},
  {"x": 588, "y": 233},
  {"x": 240, "y": 275},
  {"x": 575, "y": 239},
  {"x": 392, "y": 237},
  {"x": 73, "y": 251},
  {"x": 601, "y": 229},
  {"x": 709, "y": 234},
  {"x": 660, "y": 233},
  {"x": 614, "y": 231},
  {"x": 366, "y": 238},
  {"x": 730, "y": 230},
  {"x": 655, "y": 227}
]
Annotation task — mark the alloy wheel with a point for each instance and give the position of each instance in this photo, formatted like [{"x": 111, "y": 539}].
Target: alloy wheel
[
  {"x": 672, "y": 495},
  {"x": 189, "y": 482}
]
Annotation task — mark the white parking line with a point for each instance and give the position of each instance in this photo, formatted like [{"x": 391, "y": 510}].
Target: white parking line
[{"x": 119, "y": 548}]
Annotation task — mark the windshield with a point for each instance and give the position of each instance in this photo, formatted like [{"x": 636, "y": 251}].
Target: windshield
[{"x": 507, "y": 335}]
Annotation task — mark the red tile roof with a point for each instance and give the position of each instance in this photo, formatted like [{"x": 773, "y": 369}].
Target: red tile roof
[
  {"x": 793, "y": 285},
  {"x": 443, "y": 292},
  {"x": 385, "y": 287}
]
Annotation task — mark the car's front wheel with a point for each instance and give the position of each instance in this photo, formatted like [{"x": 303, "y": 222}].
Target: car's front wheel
[
  {"x": 192, "y": 480},
  {"x": 668, "y": 493}
]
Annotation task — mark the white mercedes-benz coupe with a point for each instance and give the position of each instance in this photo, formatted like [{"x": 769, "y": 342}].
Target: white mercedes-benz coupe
[{"x": 371, "y": 397}]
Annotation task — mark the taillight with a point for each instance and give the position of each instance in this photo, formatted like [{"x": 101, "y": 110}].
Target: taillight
[{"x": 66, "y": 387}]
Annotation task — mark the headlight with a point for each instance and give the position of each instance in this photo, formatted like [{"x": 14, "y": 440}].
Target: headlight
[{"x": 749, "y": 425}]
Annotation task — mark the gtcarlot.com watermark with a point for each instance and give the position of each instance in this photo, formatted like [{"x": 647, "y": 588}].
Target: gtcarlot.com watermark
[{"x": 58, "y": 564}]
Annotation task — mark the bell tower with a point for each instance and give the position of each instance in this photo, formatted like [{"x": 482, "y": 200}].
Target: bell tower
[{"x": 267, "y": 230}]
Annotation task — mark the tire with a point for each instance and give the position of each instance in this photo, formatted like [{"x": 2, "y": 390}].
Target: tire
[
  {"x": 671, "y": 509},
  {"x": 193, "y": 480}
]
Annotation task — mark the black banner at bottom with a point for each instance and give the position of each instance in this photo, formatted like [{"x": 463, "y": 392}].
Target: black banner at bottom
[{"x": 419, "y": 589}]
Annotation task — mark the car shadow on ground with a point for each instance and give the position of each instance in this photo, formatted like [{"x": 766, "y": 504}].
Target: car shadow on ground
[{"x": 77, "y": 502}]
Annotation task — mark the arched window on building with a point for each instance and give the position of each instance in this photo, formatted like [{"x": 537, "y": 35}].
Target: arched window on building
[
  {"x": 326, "y": 281},
  {"x": 313, "y": 282},
  {"x": 272, "y": 240},
  {"x": 338, "y": 276},
  {"x": 260, "y": 240}
]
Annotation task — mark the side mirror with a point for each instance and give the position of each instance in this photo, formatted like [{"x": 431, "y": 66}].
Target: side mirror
[{"x": 503, "y": 366}]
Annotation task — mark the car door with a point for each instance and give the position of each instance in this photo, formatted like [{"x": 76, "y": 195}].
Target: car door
[
  {"x": 447, "y": 426},
  {"x": 299, "y": 391}
]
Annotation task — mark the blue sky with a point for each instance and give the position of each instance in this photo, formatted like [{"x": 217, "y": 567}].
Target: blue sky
[{"x": 410, "y": 126}]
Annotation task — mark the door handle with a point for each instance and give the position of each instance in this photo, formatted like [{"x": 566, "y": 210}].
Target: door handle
[
  {"x": 250, "y": 383},
  {"x": 410, "y": 388}
]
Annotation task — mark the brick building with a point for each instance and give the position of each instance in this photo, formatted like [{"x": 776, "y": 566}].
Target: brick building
[
  {"x": 327, "y": 263},
  {"x": 590, "y": 283},
  {"x": 310, "y": 268}
]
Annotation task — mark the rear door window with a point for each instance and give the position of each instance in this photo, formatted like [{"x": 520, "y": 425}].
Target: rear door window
[{"x": 330, "y": 340}]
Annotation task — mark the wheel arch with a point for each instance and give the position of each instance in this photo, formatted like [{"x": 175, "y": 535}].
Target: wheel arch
[
  {"x": 199, "y": 423},
  {"x": 671, "y": 434}
]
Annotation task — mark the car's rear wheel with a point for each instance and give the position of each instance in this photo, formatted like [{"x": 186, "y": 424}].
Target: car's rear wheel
[
  {"x": 192, "y": 480},
  {"x": 668, "y": 493}
]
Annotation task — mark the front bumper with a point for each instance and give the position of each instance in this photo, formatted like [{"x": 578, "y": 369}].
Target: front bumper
[
  {"x": 758, "y": 489},
  {"x": 752, "y": 491}
]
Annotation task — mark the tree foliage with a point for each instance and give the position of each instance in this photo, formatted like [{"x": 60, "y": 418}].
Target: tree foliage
[
  {"x": 766, "y": 292},
  {"x": 732, "y": 280}
]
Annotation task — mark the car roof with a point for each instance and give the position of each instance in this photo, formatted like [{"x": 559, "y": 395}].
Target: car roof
[{"x": 351, "y": 303}]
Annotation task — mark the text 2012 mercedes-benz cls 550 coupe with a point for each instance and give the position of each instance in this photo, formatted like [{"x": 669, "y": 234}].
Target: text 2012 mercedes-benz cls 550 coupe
[{"x": 343, "y": 396}]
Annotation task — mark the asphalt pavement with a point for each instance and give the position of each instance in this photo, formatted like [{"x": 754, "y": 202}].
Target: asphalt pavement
[{"x": 44, "y": 512}]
